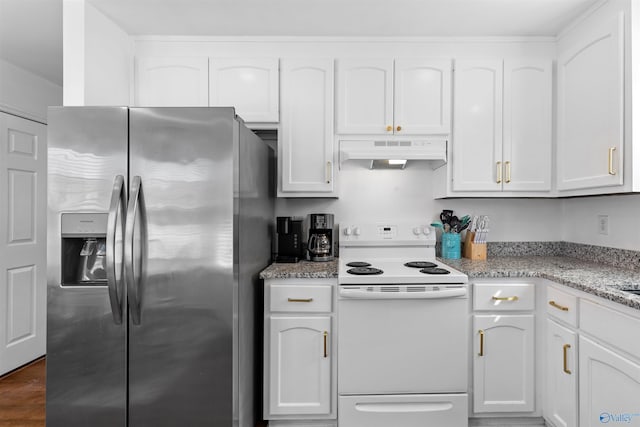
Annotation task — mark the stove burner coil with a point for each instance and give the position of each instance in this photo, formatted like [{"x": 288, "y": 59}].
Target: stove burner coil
[
  {"x": 420, "y": 264},
  {"x": 364, "y": 271},
  {"x": 434, "y": 271},
  {"x": 358, "y": 264}
]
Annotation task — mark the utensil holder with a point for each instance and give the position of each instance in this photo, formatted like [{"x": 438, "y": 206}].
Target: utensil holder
[
  {"x": 474, "y": 251},
  {"x": 451, "y": 245}
]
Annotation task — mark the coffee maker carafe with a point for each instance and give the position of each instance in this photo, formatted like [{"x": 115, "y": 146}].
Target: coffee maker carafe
[{"x": 320, "y": 245}]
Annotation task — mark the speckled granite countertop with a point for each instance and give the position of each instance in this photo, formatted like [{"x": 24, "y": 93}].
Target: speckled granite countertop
[
  {"x": 301, "y": 270},
  {"x": 598, "y": 279}
]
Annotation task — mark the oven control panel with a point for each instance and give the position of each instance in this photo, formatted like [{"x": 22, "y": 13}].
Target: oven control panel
[{"x": 386, "y": 233}]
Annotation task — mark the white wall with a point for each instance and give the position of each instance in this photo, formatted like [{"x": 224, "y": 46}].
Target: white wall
[
  {"x": 388, "y": 195},
  {"x": 26, "y": 94},
  {"x": 580, "y": 220},
  {"x": 98, "y": 57}
]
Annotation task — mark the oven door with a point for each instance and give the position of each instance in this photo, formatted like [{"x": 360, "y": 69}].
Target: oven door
[{"x": 402, "y": 339}]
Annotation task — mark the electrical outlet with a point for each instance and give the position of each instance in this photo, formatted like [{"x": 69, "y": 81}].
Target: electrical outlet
[{"x": 603, "y": 225}]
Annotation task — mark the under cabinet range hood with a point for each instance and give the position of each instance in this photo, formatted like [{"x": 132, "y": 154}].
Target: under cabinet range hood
[{"x": 394, "y": 154}]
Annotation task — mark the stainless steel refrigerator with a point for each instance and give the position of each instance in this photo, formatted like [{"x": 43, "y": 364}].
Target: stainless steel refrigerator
[{"x": 158, "y": 224}]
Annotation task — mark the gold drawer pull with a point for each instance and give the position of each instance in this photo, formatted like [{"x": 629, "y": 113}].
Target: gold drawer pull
[
  {"x": 513, "y": 298},
  {"x": 389, "y": 128},
  {"x": 611, "y": 150},
  {"x": 398, "y": 128},
  {"x": 558, "y": 306},
  {"x": 325, "y": 335},
  {"x": 498, "y": 172},
  {"x": 481, "y": 332},
  {"x": 299, "y": 299},
  {"x": 564, "y": 358}
]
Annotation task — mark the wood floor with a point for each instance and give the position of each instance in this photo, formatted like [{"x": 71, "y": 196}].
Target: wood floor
[{"x": 22, "y": 396}]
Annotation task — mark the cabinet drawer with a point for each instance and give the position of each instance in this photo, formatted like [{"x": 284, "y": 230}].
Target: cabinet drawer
[
  {"x": 504, "y": 296},
  {"x": 562, "y": 306},
  {"x": 301, "y": 298},
  {"x": 613, "y": 327}
]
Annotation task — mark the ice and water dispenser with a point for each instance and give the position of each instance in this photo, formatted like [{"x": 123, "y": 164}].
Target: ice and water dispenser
[{"x": 84, "y": 253}]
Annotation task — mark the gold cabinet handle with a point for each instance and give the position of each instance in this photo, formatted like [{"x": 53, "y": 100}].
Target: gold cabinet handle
[
  {"x": 389, "y": 128},
  {"x": 611, "y": 150},
  {"x": 299, "y": 299},
  {"x": 328, "y": 176},
  {"x": 399, "y": 128},
  {"x": 513, "y": 298},
  {"x": 481, "y": 332},
  {"x": 507, "y": 167},
  {"x": 325, "y": 335},
  {"x": 564, "y": 358},
  {"x": 498, "y": 172},
  {"x": 558, "y": 306}
]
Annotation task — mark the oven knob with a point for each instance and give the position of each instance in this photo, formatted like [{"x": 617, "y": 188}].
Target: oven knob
[
  {"x": 426, "y": 230},
  {"x": 347, "y": 231},
  {"x": 356, "y": 231},
  {"x": 416, "y": 231}
]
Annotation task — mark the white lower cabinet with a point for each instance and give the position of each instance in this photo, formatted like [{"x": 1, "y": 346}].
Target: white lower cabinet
[
  {"x": 503, "y": 363},
  {"x": 561, "y": 394},
  {"x": 299, "y": 348},
  {"x": 609, "y": 387},
  {"x": 300, "y": 368}
]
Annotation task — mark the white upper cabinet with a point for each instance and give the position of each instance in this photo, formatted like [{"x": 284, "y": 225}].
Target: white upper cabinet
[
  {"x": 591, "y": 106},
  {"x": 172, "y": 82},
  {"x": 502, "y": 129},
  {"x": 527, "y": 135},
  {"x": 477, "y": 128},
  {"x": 305, "y": 149},
  {"x": 387, "y": 97},
  {"x": 249, "y": 85}
]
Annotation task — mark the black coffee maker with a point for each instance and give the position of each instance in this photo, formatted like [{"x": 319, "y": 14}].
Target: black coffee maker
[
  {"x": 320, "y": 244},
  {"x": 289, "y": 239}
]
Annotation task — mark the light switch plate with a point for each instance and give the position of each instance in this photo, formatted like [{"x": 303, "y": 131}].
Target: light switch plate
[{"x": 603, "y": 225}]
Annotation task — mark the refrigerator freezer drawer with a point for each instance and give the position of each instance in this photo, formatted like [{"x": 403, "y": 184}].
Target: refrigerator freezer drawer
[{"x": 404, "y": 410}]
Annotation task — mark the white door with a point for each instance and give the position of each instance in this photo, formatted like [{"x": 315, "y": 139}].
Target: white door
[
  {"x": 526, "y": 149},
  {"x": 477, "y": 126},
  {"x": 300, "y": 365},
  {"x": 305, "y": 149},
  {"x": 23, "y": 275},
  {"x": 172, "y": 82},
  {"x": 609, "y": 387},
  {"x": 561, "y": 396},
  {"x": 250, "y": 85},
  {"x": 422, "y": 102},
  {"x": 503, "y": 354},
  {"x": 591, "y": 109},
  {"x": 365, "y": 96}
]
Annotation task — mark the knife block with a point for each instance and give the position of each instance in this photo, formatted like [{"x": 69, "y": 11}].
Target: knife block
[{"x": 474, "y": 251}]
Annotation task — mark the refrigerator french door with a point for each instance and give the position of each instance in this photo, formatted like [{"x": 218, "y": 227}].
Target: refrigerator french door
[{"x": 158, "y": 225}]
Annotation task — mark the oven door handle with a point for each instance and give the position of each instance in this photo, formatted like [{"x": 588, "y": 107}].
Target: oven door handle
[{"x": 362, "y": 294}]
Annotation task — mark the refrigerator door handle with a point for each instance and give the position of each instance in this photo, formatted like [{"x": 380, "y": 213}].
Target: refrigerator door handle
[
  {"x": 115, "y": 286},
  {"x": 135, "y": 284}
]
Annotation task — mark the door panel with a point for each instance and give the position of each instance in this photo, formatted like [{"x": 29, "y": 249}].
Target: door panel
[
  {"x": 562, "y": 376},
  {"x": 23, "y": 191},
  {"x": 86, "y": 350},
  {"x": 180, "y": 354}
]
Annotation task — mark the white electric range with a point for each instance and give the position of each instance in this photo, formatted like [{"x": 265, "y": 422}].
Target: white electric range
[{"x": 402, "y": 329}]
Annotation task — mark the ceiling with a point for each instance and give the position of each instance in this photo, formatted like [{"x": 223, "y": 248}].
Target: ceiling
[{"x": 31, "y": 30}]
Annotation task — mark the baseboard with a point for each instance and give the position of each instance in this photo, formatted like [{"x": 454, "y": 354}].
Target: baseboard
[
  {"x": 303, "y": 423},
  {"x": 507, "y": 422}
]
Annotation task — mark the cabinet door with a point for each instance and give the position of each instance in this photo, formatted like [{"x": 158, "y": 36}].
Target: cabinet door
[
  {"x": 300, "y": 365},
  {"x": 503, "y": 379},
  {"x": 477, "y": 126},
  {"x": 172, "y": 82},
  {"x": 306, "y": 146},
  {"x": 422, "y": 102},
  {"x": 526, "y": 149},
  {"x": 609, "y": 387},
  {"x": 590, "y": 109},
  {"x": 365, "y": 96},
  {"x": 561, "y": 406},
  {"x": 249, "y": 85}
]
